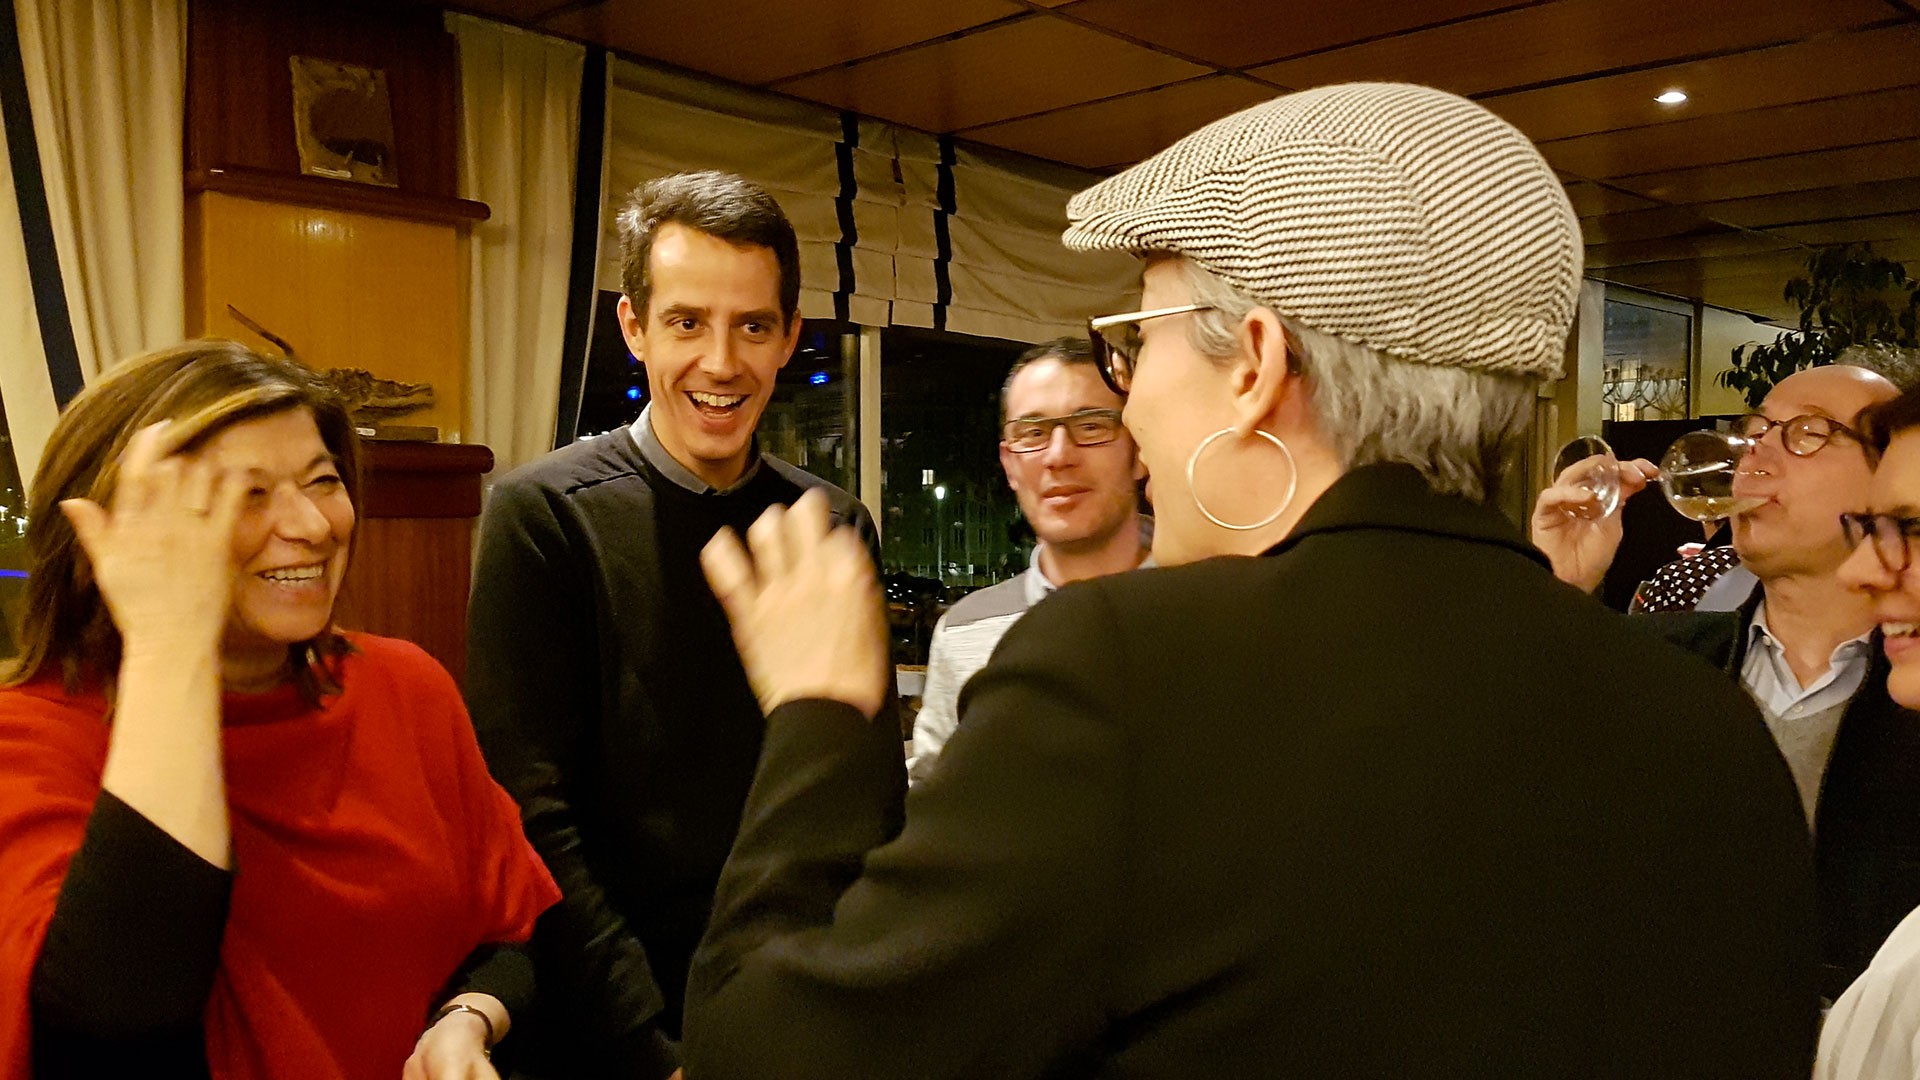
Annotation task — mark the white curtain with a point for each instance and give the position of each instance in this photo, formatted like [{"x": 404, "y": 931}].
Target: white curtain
[
  {"x": 660, "y": 123},
  {"x": 107, "y": 83},
  {"x": 519, "y": 141},
  {"x": 1011, "y": 276},
  {"x": 26, "y": 391}
]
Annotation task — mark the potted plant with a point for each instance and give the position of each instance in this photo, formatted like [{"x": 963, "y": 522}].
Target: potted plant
[{"x": 1850, "y": 297}]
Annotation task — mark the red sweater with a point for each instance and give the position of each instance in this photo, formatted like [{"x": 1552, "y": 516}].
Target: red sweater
[{"x": 372, "y": 854}]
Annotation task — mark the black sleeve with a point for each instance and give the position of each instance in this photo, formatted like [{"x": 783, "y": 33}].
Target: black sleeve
[
  {"x": 504, "y": 972},
  {"x": 130, "y": 954},
  {"x": 969, "y": 946},
  {"x": 532, "y": 684}
]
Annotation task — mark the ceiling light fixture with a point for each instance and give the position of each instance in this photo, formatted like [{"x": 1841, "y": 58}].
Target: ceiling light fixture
[{"x": 1672, "y": 97}]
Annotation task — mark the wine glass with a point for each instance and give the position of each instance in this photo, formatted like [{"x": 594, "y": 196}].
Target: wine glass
[
  {"x": 1696, "y": 475},
  {"x": 1599, "y": 475}
]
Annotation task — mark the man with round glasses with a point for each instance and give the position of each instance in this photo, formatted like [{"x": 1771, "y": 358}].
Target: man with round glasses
[
  {"x": 1076, "y": 475},
  {"x": 1803, "y": 646}
]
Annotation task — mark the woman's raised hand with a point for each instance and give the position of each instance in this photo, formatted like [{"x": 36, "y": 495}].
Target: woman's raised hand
[
  {"x": 805, "y": 607},
  {"x": 163, "y": 552}
]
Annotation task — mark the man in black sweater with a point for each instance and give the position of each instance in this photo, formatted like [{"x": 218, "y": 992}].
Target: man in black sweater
[{"x": 601, "y": 674}]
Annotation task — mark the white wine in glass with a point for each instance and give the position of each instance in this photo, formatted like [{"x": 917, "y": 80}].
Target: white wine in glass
[{"x": 1697, "y": 475}]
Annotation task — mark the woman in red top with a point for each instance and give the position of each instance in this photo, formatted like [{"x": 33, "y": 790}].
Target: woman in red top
[{"x": 235, "y": 842}]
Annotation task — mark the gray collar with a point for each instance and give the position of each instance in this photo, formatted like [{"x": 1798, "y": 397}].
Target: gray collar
[{"x": 657, "y": 456}]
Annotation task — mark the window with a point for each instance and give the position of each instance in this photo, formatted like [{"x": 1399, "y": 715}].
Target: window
[
  {"x": 13, "y": 548},
  {"x": 954, "y": 520}
]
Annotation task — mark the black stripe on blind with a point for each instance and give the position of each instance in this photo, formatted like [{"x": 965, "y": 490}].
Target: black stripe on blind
[
  {"x": 843, "y": 204},
  {"x": 581, "y": 289},
  {"x": 36, "y": 221},
  {"x": 942, "y": 278}
]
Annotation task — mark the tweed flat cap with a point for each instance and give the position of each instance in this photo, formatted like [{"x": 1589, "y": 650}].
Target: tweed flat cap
[{"x": 1400, "y": 217}]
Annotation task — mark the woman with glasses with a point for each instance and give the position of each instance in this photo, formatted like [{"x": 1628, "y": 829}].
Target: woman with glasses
[
  {"x": 1350, "y": 786},
  {"x": 1873, "y": 1030}
]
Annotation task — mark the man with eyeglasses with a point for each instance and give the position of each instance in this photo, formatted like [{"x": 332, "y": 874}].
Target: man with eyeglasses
[
  {"x": 1076, "y": 475},
  {"x": 1803, "y": 645}
]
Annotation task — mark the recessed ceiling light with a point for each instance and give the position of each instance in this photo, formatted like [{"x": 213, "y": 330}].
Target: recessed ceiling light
[{"x": 1672, "y": 97}]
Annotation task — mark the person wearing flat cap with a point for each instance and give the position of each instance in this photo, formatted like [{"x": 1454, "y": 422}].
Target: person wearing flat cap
[{"x": 1351, "y": 786}]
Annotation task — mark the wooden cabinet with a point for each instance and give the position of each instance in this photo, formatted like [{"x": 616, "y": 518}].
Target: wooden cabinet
[{"x": 412, "y": 560}]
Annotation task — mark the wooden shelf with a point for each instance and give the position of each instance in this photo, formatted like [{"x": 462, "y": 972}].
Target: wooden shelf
[{"x": 330, "y": 194}]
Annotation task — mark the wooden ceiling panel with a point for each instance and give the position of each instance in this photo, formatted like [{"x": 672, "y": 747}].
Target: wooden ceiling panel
[
  {"x": 1834, "y": 66},
  {"x": 1549, "y": 42},
  {"x": 1767, "y": 272},
  {"x": 1646, "y": 225},
  {"x": 1775, "y": 267},
  {"x": 1015, "y": 69},
  {"x": 1591, "y": 200},
  {"x": 1824, "y": 204},
  {"x": 1236, "y": 33},
  {"x": 1758, "y": 133},
  {"x": 759, "y": 41},
  {"x": 1789, "y": 172},
  {"x": 524, "y": 11},
  {"x": 1855, "y": 230},
  {"x": 1125, "y": 129},
  {"x": 1665, "y": 249}
]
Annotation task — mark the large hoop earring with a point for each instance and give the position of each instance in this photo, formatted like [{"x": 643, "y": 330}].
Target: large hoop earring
[{"x": 1293, "y": 481}]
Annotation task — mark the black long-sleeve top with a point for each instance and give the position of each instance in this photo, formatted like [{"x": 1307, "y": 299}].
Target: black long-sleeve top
[
  {"x": 133, "y": 948},
  {"x": 609, "y": 699}
]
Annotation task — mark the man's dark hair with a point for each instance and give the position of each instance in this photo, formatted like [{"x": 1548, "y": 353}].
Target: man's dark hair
[
  {"x": 1067, "y": 350},
  {"x": 719, "y": 204},
  {"x": 1880, "y": 423}
]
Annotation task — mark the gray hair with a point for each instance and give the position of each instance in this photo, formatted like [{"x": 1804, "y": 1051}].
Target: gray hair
[{"x": 1463, "y": 428}]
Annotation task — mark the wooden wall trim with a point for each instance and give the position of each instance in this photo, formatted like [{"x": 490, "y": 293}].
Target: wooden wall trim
[{"x": 329, "y": 194}]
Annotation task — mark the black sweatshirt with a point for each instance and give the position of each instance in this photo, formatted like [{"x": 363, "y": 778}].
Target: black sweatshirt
[{"x": 609, "y": 700}]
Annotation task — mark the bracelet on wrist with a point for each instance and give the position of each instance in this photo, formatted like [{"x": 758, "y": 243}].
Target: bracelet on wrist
[{"x": 486, "y": 1046}]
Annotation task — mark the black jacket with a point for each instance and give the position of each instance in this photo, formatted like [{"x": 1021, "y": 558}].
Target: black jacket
[
  {"x": 608, "y": 698},
  {"x": 1866, "y": 836},
  {"x": 1390, "y": 801}
]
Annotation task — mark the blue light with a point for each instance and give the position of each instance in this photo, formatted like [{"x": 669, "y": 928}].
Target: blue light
[
  {"x": 818, "y": 378},
  {"x": 633, "y": 393}
]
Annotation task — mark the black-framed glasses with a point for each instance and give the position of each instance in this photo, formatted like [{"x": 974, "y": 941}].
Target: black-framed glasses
[
  {"x": 1088, "y": 427},
  {"x": 1890, "y": 537},
  {"x": 1116, "y": 341},
  {"x": 1803, "y": 435}
]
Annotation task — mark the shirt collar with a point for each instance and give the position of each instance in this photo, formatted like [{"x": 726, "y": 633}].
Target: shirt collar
[
  {"x": 1759, "y": 635},
  {"x": 656, "y": 454}
]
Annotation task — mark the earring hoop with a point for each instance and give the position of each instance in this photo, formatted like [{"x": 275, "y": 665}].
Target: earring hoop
[{"x": 1293, "y": 481}]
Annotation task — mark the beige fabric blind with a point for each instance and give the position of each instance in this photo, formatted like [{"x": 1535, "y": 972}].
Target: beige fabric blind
[
  {"x": 660, "y": 122},
  {"x": 1011, "y": 277}
]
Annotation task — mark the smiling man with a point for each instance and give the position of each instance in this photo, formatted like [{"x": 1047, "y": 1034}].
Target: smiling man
[
  {"x": 1075, "y": 472},
  {"x": 601, "y": 674}
]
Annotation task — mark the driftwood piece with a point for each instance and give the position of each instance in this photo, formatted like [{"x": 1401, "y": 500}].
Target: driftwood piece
[{"x": 372, "y": 399}]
